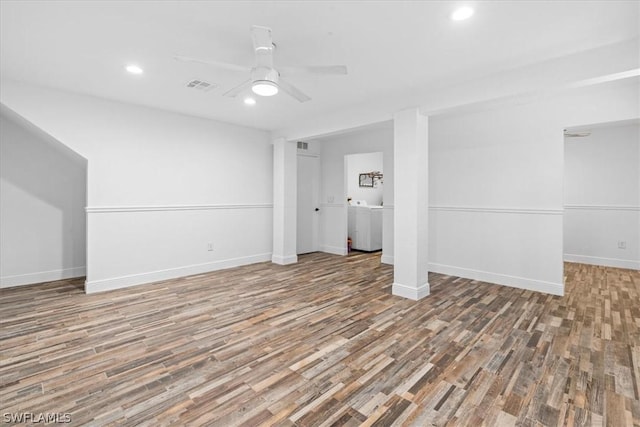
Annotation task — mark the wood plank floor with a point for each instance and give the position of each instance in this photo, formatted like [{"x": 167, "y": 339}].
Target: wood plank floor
[{"x": 325, "y": 343}]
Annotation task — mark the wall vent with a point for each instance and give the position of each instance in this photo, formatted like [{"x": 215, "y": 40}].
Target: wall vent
[
  {"x": 303, "y": 145},
  {"x": 201, "y": 85}
]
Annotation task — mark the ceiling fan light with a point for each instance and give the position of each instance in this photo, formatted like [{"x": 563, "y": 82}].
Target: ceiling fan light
[{"x": 264, "y": 88}]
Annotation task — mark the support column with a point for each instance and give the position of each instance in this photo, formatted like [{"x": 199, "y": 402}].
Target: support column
[
  {"x": 410, "y": 221},
  {"x": 285, "y": 180}
]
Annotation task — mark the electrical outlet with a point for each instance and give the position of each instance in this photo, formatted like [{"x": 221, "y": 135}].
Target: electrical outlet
[
  {"x": 622, "y": 244},
  {"x": 209, "y": 246}
]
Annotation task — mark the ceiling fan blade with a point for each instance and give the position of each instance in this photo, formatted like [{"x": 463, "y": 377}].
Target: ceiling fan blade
[
  {"x": 236, "y": 90},
  {"x": 261, "y": 38},
  {"x": 293, "y": 91},
  {"x": 224, "y": 65},
  {"x": 326, "y": 70}
]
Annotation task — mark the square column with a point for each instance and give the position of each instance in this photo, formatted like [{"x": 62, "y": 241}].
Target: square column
[
  {"x": 410, "y": 221},
  {"x": 285, "y": 180}
]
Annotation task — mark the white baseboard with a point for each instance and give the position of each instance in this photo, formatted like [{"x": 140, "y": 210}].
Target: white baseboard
[
  {"x": 171, "y": 273},
  {"x": 409, "y": 292},
  {"x": 607, "y": 262},
  {"x": 336, "y": 250},
  {"x": 41, "y": 276},
  {"x": 500, "y": 279},
  {"x": 284, "y": 260},
  {"x": 386, "y": 259}
]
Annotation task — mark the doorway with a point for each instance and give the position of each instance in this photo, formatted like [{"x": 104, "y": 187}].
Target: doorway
[
  {"x": 363, "y": 186},
  {"x": 43, "y": 190},
  {"x": 601, "y": 224}
]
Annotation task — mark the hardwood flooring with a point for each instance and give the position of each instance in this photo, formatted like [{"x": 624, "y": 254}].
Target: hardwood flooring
[{"x": 323, "y": 343}]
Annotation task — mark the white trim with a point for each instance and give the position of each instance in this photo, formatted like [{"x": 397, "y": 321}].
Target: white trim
[
  {"x": 410, "y": 292},
  {"x": 534, "y": 211},
  {"x": 342, "y": 205},
  {"x": 607, "y": 262},
  {"x": 386, "y": 259},
  {"x": 602, "y": 208},
  {"x": 500, "y": 279},
  {"x": 284, "y": 260},
  {"x": 41, "y": 276},
  {"x": 336, "y": 250},
  {"x": 170, "y": 273},
  {"x": 164, "y": 208}
]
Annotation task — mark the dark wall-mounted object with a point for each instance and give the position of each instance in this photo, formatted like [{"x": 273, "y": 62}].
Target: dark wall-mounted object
[
  {"x": 369, "y": 179},
  {"x": 365, "y": 180}
]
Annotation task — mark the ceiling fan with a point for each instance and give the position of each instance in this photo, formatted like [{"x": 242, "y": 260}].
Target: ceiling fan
[{"x": 265, "y": 80}]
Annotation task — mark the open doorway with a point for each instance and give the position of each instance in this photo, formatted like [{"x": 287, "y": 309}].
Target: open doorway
[
  {"x": 333, "y": 208},
  {"x": 602, "y": 194},
  {"x": 364, "y": 181},
  {"x": 43, "y": 193}
]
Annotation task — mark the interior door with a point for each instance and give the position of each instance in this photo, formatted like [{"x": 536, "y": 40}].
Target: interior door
[{"x": 308, "y": 203}]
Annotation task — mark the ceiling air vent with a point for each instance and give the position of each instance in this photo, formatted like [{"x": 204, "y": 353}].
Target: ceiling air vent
[
  {"x": 570, "y": 134},
  {"x": 303, "y": 145},
  {"x": 201, "y": 85}
]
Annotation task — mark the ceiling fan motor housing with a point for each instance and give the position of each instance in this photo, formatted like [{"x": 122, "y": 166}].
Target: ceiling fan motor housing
[{"x": 264, "y": 74}]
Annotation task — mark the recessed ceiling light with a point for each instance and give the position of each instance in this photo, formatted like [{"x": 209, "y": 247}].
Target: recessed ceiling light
[
  {"x": 462, "y": 13},
  {"x": 250, "y": 101},
  {"x": 134, "y": 69},
  {"x": 264, "y": 88}
]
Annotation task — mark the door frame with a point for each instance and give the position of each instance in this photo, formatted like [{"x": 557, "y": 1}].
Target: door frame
[{"x": 345, "y": 190}]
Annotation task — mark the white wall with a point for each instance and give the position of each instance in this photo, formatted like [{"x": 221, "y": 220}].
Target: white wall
[
  {"x": 363, "y": 163},
  {"x": 161, "y": 186},
  {"x": 496, "y": 185},
  {"x": 333, "y": 218},
  {"x": 42, "y": 201},
  {"x": 602, "y": 197}
]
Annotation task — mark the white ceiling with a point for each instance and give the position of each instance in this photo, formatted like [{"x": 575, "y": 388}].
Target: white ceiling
[{"x": 393, "y": 49}]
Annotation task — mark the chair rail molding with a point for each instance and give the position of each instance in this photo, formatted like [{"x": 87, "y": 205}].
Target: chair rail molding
[{"x": 156, "y": 208}]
